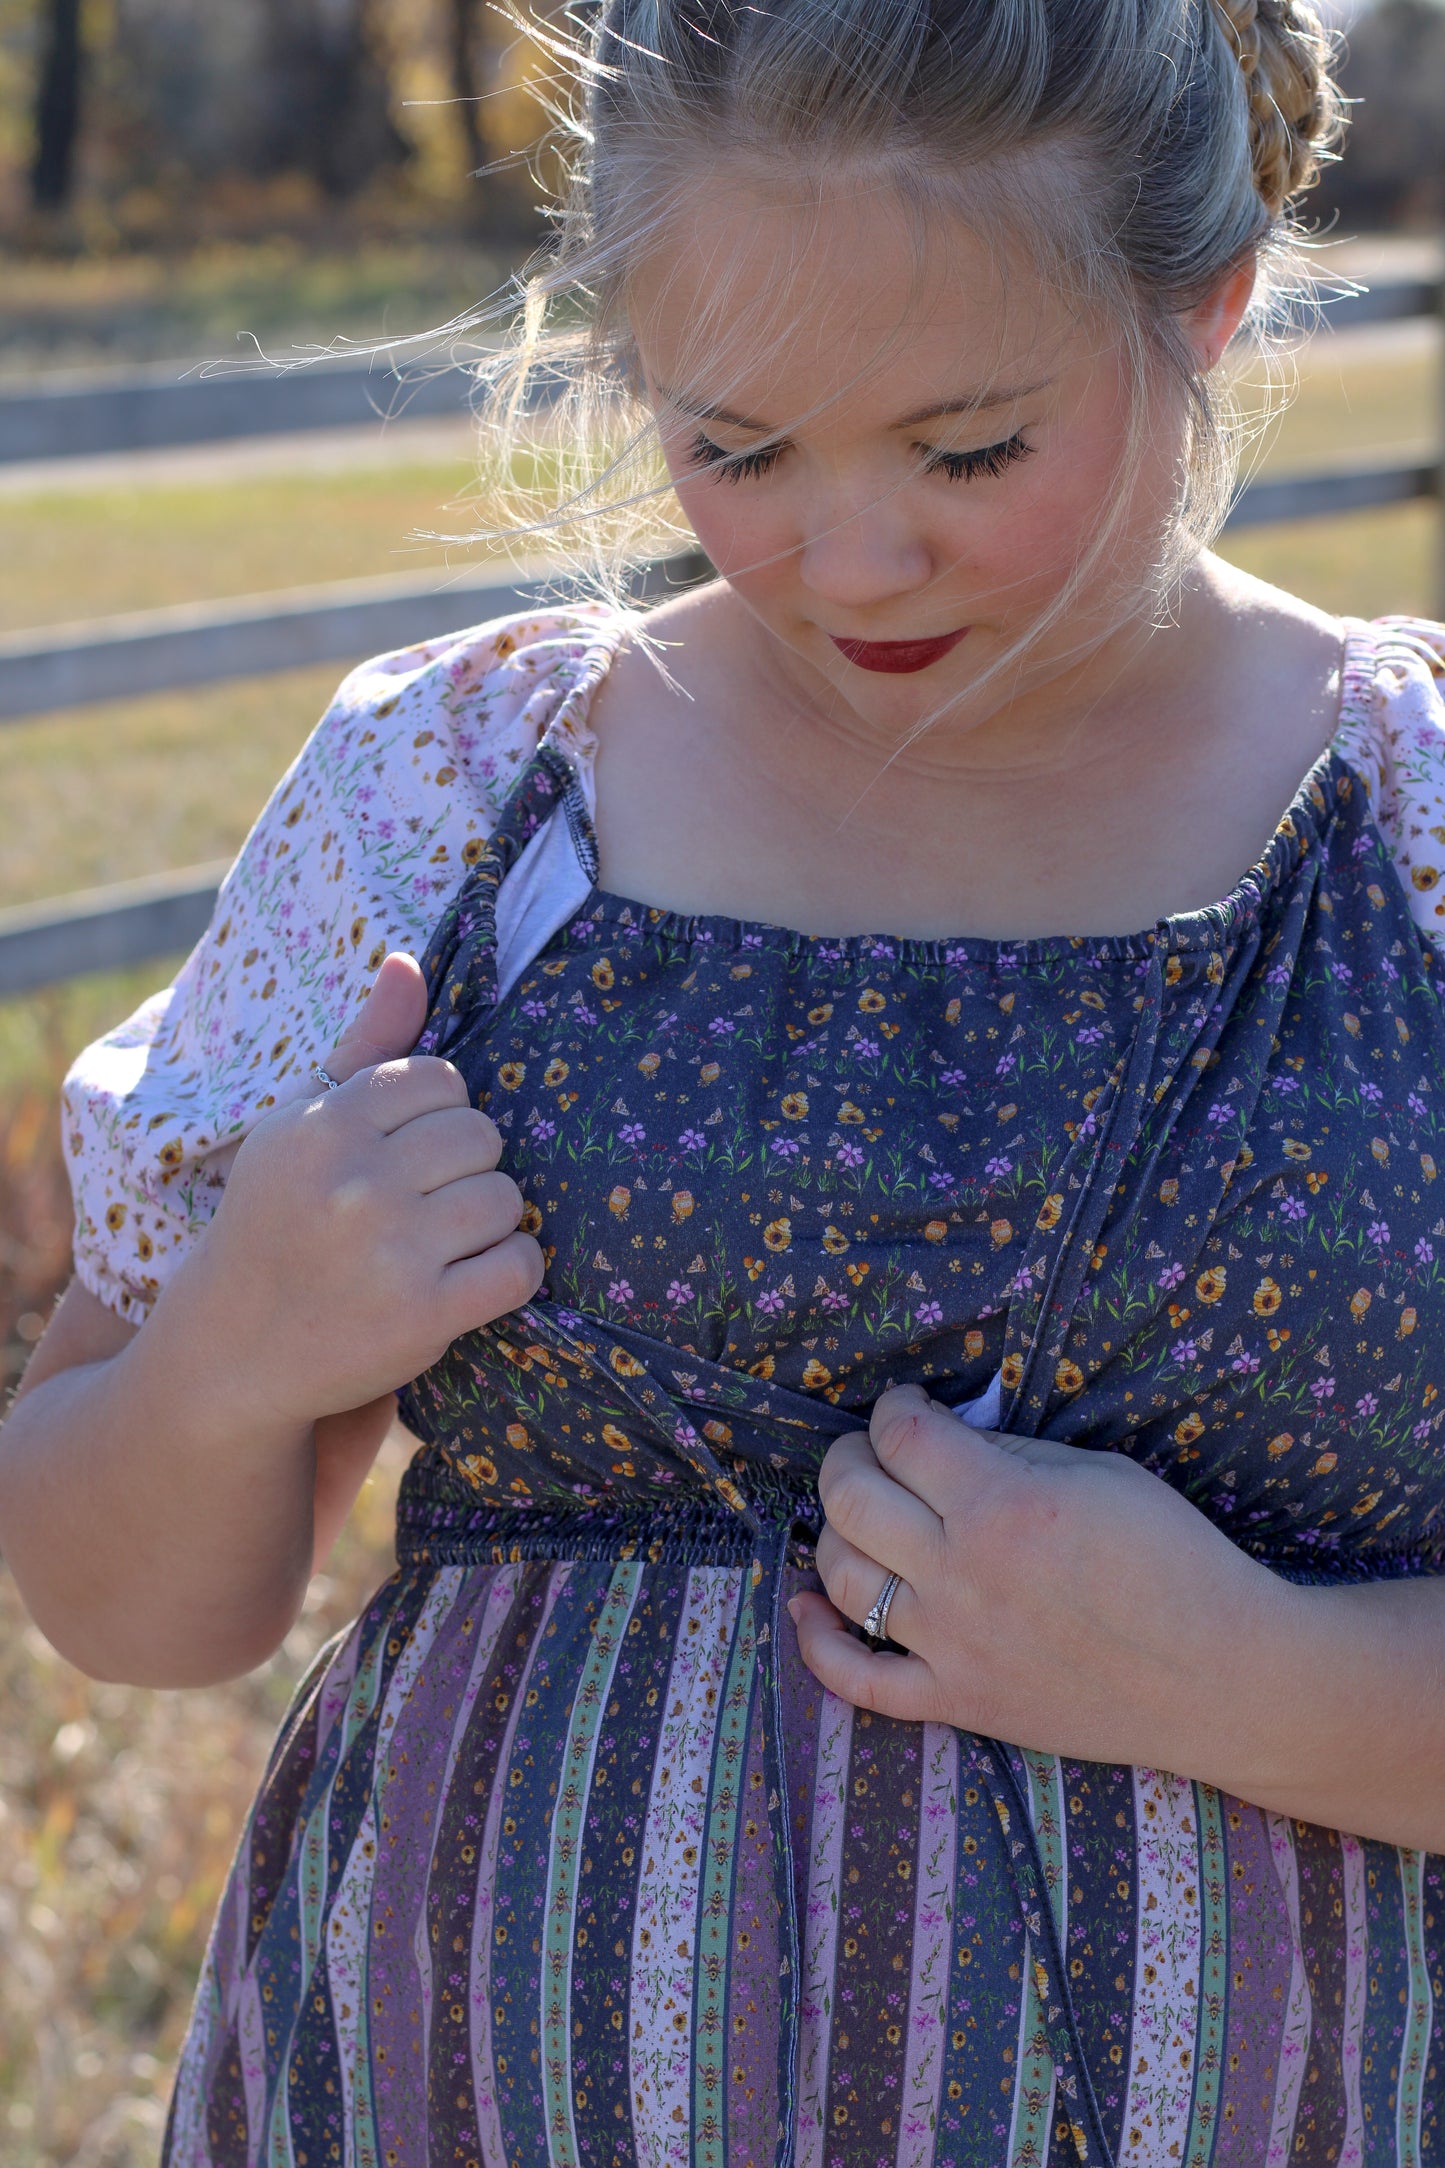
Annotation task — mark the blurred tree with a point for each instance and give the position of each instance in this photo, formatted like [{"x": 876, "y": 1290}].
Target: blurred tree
[
  {"x": 325, "y": 107},
  {"x": 57, "y": 107},
  {"x": 466, "y": 90},
  {"x": 1393, "y": 170}
]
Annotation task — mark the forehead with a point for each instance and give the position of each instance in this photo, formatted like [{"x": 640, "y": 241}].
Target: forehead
[{"x": 753, "y": 290}]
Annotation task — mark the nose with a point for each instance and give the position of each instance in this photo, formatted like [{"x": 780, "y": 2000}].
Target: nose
[{"x": 858, "y": 556}]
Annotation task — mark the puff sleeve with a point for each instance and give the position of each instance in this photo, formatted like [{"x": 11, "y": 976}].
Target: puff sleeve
[
  {"x": 357, "y": 850},
  {"x": 1394, "y": 735}
]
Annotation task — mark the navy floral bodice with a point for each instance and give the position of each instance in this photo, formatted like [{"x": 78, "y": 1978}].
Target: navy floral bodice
[{"x": 1178, "y": 1190}]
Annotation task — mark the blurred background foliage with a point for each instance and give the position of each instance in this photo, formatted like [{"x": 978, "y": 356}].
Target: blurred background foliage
[
  {"x": 175, "y": 176},
  {"x": 177, "y": 126}
]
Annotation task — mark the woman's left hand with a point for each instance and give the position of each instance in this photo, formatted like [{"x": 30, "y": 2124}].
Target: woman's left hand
[{"x": 1059, "y": 1598}]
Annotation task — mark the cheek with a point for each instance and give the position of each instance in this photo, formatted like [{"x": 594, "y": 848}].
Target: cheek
[{"x": 738, "y": 527}]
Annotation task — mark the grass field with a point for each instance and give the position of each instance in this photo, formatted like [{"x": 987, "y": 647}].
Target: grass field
[{"x": 119, "y": 1809}]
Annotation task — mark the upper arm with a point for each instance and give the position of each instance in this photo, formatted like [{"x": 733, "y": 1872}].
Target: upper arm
[
  {"x": 361, "y": 844},
  {"x": 81, "y": 1330}
]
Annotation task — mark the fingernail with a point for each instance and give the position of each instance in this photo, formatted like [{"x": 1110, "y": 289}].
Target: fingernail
[{"x": 793, "y": 1609}]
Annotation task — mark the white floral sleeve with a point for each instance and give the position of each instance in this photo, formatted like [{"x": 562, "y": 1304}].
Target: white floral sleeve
[
  {"x": 365, "y": 837},
  {"x": 1394, "y": 734}
]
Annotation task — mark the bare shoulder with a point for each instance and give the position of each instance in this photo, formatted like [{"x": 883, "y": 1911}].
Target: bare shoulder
[{"x": 1275, "y": 632}]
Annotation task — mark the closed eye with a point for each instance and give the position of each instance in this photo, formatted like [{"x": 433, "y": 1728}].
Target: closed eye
[
  {"x": 990, "y": 460},
  {"x": 732, "y": 466}
]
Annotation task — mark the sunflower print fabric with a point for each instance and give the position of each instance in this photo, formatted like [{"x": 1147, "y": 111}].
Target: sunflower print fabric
[{"x": 562, "y": 1856}]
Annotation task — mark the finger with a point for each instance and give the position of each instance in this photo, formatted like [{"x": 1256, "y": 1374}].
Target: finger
[
  {"x": 477, "y": 1290},
  {"x": 900, "y": 1686},
  {"x": 388, "y": 1023},
  {"x": 446, "y": 1146},
  {"x": 395, "y": 1093},
  {"x": 473, "y": 1215},
  {"x": 870, "y": 1507},
  {"x": 854, "y": 1582},
  {"x": 925, "y": 1447}
]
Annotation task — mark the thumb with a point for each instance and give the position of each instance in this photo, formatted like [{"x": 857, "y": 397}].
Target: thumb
[{"x": 389, "y": 1021}]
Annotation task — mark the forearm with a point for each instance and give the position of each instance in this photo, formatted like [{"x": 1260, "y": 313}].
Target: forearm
[
  {"x": 159, "y": 1533},
  {"x": 1328, "y": 1705}
]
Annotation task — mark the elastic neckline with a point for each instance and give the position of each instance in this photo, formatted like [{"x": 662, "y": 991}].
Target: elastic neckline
[{"x": 1213, "y": 926}]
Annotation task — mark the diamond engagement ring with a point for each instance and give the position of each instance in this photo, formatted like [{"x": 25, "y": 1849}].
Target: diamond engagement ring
[
  {"x": 876, "y": 1623},
  {"x": 324, "y": 1076}
]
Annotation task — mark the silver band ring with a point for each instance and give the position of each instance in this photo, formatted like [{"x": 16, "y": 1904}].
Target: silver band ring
[
  {"x": 876, "y": 1623},
  {"x": 324, "y": 1076}
]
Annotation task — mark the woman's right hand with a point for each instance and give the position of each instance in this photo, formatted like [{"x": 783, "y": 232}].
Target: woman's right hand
[{"x": 361, "y": 1230}]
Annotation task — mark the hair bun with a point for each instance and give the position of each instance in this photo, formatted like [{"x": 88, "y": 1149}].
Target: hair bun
[{"x": 1294, "y": 109}]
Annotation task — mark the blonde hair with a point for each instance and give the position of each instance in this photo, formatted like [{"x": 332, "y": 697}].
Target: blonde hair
[{"x": 1144, "y": 148}]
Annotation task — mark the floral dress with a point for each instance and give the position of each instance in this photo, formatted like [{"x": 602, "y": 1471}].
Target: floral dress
[{"x": 562, "y": 1856}]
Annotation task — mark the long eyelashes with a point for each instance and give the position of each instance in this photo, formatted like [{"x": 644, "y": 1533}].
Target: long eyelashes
[
  {"x": 732, "y": 466},
  {"x": 989, "y": 461},
  {"x": 972, "y": 466}
]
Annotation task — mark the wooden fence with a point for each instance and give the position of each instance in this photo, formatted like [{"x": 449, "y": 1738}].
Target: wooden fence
[{"x": 43, "y": 673}]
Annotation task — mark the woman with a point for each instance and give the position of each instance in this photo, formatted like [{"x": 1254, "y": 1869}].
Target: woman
[{"x": 981, "y": 946}]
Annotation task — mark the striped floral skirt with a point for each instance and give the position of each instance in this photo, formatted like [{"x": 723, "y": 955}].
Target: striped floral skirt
[{"x": 565, "y": 1860}]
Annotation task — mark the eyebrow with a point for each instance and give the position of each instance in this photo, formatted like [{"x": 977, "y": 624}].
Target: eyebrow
[{"x": 978, "y": 403}]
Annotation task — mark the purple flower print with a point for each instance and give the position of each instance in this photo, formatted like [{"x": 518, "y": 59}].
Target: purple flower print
[
  {"x": 1185, "y": 1351},
  {"x": 1246, "y": 1365},
  {"x": 632, "y": 1133},
  {"x": 786, "y": 1147},
  {"x": 1089, "y": 1036},
  {"x": 928, "y": 1313},
  {"x": 541, "y": 1130},
  {"x": 1378, "y": 1232},
  {"x": 833, "y": 1301},
  {"x": 770, "y": 1302},
  {"x": 953, "y": 1078},
  {"x": 1425, "y": 1251},
  {"x": 1321, "y": 1389},
  {"x": 620, "y": 1291},
  {"x": 721, "y": 1026},
  {"x": 534, "y": 1008},
  {"x": 679, "y": 1292},
  {"x": 1284, "y": 1084},
  {"x": 692, "y": 1140},
  {"x": 1218, "y": 1113},
  {"x": 939, "y": 1180},
  {"x": 866, "y": 1046},
  {"x": 1005, "y": 1064},
  {"x": 998, "y": 1167},
  {"x": 1366, "y": 1404},
  {"x": 1421, "y": 1431},
  {"x": 850, "y": 1155},
  {"x": 1292, "y": 1208},
  {"x": 1171, "y": 1275},
  {"x": 1416, "y": 1105}
]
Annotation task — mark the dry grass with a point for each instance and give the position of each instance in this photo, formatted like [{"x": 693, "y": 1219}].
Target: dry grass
[
  {"x": 119, "y": 1813},
  {"x": 119, "y": 1809}
]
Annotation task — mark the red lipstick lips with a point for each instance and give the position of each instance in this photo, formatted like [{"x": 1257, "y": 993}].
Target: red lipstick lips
[{"x": 897, "y": 656}]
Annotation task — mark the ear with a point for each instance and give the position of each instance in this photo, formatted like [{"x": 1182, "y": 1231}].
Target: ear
[{"x": 1211, "y": 323}]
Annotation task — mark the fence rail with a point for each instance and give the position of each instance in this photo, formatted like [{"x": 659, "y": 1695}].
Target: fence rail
[
  {"x": 65, "y": 667},
  {"x": 91, "y": 414}
]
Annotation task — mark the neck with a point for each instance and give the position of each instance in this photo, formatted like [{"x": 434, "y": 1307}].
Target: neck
[{"x": 1036, "y": 722}]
